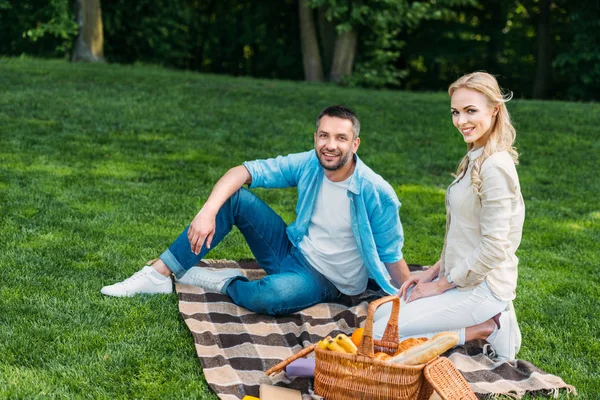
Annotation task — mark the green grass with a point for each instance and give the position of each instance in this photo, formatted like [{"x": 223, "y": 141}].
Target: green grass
[{"x": 101, "y": 166}]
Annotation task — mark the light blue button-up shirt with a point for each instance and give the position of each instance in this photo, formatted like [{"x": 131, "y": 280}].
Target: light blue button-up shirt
[{"x": 373, "y": 205}]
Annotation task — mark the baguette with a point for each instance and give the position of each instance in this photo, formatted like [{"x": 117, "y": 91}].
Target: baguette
[
  {"x": 427, "y": 351},
  {"x": 381, "y": 356},
  {"x": 408, "y": 343}
]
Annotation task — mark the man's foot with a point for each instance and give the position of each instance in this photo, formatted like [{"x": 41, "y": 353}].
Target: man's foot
[
  {"x": 147, "y": 280},
  {"x": 210, "y": 280},
  {"x": 500, "y": 338}
]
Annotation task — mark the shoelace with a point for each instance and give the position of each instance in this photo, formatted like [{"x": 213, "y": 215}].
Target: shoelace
[
  {"x": 133, "y": 277},
  {"x": 206, "y": 279},
  {"x": 201, "y": 279},
  {"x": 488, "y": 350}
]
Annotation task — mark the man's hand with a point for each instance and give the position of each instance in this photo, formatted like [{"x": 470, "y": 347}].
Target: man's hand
[{"x": 202, "y": 229}]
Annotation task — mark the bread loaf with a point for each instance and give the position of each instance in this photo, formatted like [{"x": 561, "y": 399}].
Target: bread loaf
[
  {"x": 382, "y": 356},
  {"x": 408, "y": 343},
  {"x": 426, "y": 351}
]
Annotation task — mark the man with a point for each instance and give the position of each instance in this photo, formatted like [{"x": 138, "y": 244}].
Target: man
[{"x": 347, "y": 229}]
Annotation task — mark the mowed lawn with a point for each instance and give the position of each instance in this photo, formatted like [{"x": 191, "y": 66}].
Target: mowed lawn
[{"x": 101, "y": 166}]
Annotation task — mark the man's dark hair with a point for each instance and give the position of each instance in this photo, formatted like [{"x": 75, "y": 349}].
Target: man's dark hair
[{"x": 341, "y": 112}]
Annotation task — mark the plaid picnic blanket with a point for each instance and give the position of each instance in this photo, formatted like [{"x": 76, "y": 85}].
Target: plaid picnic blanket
[{"x": 237, "y": 346}]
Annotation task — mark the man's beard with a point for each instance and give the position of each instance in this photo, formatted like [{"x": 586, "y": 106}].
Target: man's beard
[{"x": 337, "y": 166}]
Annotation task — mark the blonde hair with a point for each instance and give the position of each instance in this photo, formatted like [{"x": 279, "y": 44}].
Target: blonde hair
[{"x": 503, "y": 134}]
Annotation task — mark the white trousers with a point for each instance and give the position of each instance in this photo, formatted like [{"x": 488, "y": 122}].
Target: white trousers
[{"x": 453, "y": 311}]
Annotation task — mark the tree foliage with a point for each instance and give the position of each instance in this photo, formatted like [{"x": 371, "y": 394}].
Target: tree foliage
[
  {"x": 232, "y": 37},
  {"x": 409, "y": 44},
  {"x": 578, "y": 65},
  {"x": 379, "y": 25},
  {"x": 37, "y": 27}
]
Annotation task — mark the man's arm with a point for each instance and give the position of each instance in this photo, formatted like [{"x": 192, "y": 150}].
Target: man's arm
[
  {"x": 202, "y": 227},
  {"x": 281, "y": 171},
  {"x": 398, "y": 271}
]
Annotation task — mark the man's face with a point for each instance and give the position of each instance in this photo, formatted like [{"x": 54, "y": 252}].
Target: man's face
[{"x": 335, "y": 143}]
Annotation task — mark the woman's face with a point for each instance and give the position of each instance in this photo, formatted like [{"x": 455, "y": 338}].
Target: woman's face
[{"x": 472, "y": 115}]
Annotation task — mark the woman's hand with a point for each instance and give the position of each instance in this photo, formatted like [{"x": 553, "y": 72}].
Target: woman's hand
[
  {"x": 201, "y": 230},
  {"x": 428, "y": 289},
  {"x": 413, "y": 280},
  {"x": 417, "y": 279},
  {"x": 425, "y": 289}
]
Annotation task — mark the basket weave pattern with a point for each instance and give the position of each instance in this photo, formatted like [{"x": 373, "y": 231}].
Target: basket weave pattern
[
  {"x": 341, "y": 376},
  {"x": 337, "y": 379},
  {"x": 447, "y": 381}
]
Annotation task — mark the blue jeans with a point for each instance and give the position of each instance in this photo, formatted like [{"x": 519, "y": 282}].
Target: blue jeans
[{"x": 291, "y": 283}]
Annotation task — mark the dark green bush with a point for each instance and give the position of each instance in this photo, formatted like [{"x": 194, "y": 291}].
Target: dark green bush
[
  {"x": 37, "y": 27},
  {"x": 579, "y": 65},
  {"x": 232, "y": 37},
  {"x": 417, "y": 45}
]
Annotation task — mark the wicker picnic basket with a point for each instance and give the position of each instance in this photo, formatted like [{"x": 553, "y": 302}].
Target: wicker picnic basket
[{"x": 340, "y": 376}]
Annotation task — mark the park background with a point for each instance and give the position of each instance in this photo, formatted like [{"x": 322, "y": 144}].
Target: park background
[
  {"x": 545, "y": 49},
  {"x": 103, "y": 162}
]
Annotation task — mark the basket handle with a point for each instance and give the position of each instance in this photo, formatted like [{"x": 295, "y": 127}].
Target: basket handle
[
  {"x": 391, "y": 330},
  {"x": 304, "y": 352}
]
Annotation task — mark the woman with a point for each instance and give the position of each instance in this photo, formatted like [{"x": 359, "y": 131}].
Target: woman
[{"x": 471, "y": 288}]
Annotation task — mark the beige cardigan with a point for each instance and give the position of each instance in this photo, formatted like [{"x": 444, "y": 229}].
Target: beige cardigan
[{"x": 483, "y": 234}]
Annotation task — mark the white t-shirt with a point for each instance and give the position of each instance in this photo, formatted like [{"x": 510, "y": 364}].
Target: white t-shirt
[{"x": 330, "y": 246}]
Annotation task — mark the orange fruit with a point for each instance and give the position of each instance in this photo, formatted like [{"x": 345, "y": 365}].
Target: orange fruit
[{"x": 357, "y": 336}]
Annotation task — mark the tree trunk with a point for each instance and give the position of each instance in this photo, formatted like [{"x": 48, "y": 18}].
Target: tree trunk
[
  {"x": 89, "y": 45},
  {"x": 327, "y": 35},
  {"x": 343, "y": 56},
  {"x": 311, "y": 57},
  {"x": 544, "y": 52}
]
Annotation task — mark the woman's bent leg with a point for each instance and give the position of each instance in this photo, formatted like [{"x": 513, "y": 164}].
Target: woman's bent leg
[{"x": 452, "y": 310}]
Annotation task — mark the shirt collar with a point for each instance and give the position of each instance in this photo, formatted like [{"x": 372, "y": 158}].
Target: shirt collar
[
  {"x": 354, "y": 184},
  {"x": 474, "y": 154}
]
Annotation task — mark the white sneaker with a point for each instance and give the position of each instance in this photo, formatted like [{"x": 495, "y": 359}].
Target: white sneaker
[
  {"x": 147, "y": 280},
  {"x": 210, "y": 280},
  {"x": 500, "y": 339}
]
